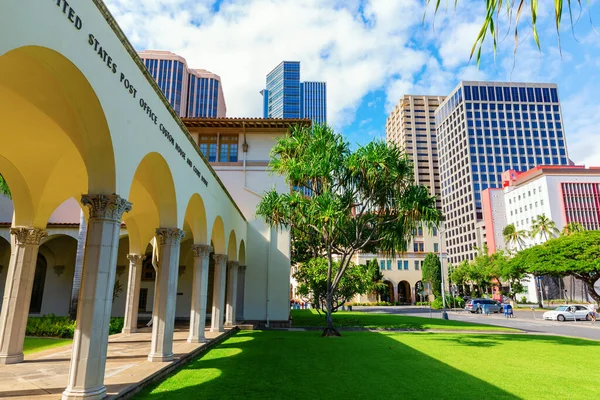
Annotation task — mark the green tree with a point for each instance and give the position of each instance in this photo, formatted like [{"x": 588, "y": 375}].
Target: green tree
[
  {"x": 544, "y": 227},
  {"x": 572, "y": 227},
  {"x": 480, "y": 269},
  {"x": 460, "y": 274},
  {"x": 577, "y": 254},
  {"x": 514, "y": 237},
  {"x": 511, "y": 12},
  {"x": 379, "y": 288},
  {"x": 360, "y": 201},
  {"x": 312, "y": 282},
  {"x": 4, "y": 189},
  {"x": 511, "y": 273},
  {"x": 432, "y": 273}
]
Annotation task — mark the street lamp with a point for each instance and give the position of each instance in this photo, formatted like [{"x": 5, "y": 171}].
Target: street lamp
[{"x": 441, "y": 240}]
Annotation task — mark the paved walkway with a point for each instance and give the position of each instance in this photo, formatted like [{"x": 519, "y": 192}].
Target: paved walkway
[{"x": 44, "y": 375}]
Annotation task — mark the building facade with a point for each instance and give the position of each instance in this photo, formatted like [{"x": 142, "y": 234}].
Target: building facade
[
  {"x": 285, "y": 96},
  {"x": 103, "y": 144},
  {"x": 483, "y": 129},
  {"x": 192, "y": 92}
]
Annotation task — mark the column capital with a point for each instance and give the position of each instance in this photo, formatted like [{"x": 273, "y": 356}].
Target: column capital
[
  {"x": 136, "y": 259},
  {"x": 233, "y": 264},
  {"x": 201, "y": 250},
  {"x": 219, "y": 258},
  {"x": 169, "y": 236},
  {"x": 27, "y": 235},
  {"x": 106, "y": 206}
]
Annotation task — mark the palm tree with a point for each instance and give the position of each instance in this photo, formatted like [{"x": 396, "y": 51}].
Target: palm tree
[
  {"x": 572, "y": 227},
  {"x": 544, "y": 227},
  {"x": 4, "y": 189},
  {"x": 512, "y": 12},
  {"x": 514, "y": 236}
]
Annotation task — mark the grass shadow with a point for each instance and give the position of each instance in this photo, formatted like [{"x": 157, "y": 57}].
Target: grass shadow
[{"x": 302, "y": 365}]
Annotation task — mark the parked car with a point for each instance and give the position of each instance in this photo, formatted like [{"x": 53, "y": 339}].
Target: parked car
[
  {"x": 476, "y": 305},
  {"x": 568, "y": 313}
]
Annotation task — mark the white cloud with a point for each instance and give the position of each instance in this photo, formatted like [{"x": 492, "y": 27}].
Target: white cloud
[{"x": 244, "y": 40}]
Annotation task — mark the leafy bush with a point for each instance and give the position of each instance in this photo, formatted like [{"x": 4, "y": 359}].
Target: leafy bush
[
  {"x": 422, "y": 303},
  {"x": 377, "y": 303},
  {"x": 62, "y": 327},
  {"x": 451, "y": 302},
  {"x": 523, "y": 300}
]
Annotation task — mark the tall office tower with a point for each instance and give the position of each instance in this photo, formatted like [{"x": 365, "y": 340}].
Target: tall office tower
[
  {"x": 411, "y": 125},
  {"x": 484, "y": 129},
  {"x": 191, "y": 92},
  {"x": 286, "y": 97},
  {"x": 313, "y": 101}
]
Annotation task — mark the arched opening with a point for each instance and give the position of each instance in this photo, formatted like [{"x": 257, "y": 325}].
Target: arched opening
[
  {"x": 388, "y": 295},
  {"x": 242, "y": 253},
  {"x": 39, "y": 281},
  {"x": 55, "y": 138},
  {"x": 232, "y": 253},
  {"x": 195, "y": 220},
  {"x": 404, "y": 295},
  {"x": 217, "y": 237},
  {"x": 420, "y": 292},
  {"x": 153, "y": 193}
]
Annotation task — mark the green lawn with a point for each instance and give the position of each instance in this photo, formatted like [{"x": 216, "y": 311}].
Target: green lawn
[
  {"x": 388, "y": 365},
  {"x": 307, "y": 318},
  {"x": 34, "y": 344}
]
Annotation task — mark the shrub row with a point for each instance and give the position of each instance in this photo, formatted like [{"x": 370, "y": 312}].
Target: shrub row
[{"x": 62, "y": 327}]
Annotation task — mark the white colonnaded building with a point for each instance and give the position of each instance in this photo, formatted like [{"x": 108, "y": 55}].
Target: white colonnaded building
[{"x": 85, "y": 128}]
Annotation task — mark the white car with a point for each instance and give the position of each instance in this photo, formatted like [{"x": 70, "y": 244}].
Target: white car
[{"x": 570, "y": 312}]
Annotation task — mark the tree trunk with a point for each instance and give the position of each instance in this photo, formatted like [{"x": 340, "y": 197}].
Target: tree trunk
[
  {"x": 329, "y": 329},
  {"x": 81, "y": 238},
  {"x": 538, "y": 290}
]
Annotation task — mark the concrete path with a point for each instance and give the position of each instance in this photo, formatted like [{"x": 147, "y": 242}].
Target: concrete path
[
  {"x": 524, "y": 320},
  {"x": 44, "y": 375}
]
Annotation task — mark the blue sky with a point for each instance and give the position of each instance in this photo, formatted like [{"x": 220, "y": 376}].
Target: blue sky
[{"x": 371, "y": 53}]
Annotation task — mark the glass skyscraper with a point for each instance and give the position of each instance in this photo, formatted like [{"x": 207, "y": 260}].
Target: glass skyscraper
[
  {"x": 192, "y": 92},
  {"x": 286, "y": 97},
  {"x": 484, "y": 129}
]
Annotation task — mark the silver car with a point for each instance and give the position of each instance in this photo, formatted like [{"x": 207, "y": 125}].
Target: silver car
[{"x": 568, "y": 313}]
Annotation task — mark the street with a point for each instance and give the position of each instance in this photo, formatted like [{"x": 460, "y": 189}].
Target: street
[{"x": 529, "y": 321}]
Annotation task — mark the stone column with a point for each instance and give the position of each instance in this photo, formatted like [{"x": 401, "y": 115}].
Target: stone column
[
  {"x": 201, "y": 253},
  {"x": 133, "y": 292},
  {"x": 88, "y": 360},
  {"x": 232, "y": 278},
  {"x": 240, "y": 293},
  {"x": 218, "y": 306},
  {"x": 165, "y": 295},
  {"x": 17, "y": 292}
]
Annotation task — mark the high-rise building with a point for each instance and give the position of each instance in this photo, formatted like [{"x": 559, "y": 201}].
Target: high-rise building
[
  {"x": 411, "y": 125},
  {"x": 484, "y": 129},
  {"x": 192, "y": 92},
  {"x": 313, "y": 101},
  {"x": 285, "y": 96}
]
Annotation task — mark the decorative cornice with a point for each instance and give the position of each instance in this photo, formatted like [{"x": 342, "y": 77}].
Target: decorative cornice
[
  {"x": 24, "y": 235},
  {"x": 102, "y": 206},
  {"x": 136, "y": 259},
  {"x": 201, "y": 250},
  {"x": 169, "y": 236},
  {"x": 233, "y": 264},
  {"x": 220, "y": 258}
]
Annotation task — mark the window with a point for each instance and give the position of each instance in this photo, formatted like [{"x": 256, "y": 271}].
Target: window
[
  {"x": 435, "y": 247},
  {"x": 406, "y": 265},
  {"x": 382, "y": 264},
  {"x": 420, "y": 231},
  {"x": 228, "y": 148},
  {"x": 208, "y": 146},
  {"x": 399, "y": 264},
  {"x": 416, "y": 265},
  {"x": 389, "y": 264}
]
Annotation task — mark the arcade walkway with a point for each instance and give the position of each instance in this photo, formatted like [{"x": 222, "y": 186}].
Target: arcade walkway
[{"x": 44, "y": 375}]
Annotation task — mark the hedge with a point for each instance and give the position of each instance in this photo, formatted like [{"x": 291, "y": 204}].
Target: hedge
[{"x": 62, "y": 327}]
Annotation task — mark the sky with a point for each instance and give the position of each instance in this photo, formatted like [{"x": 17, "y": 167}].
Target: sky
[{"x": 371, "y": 53}]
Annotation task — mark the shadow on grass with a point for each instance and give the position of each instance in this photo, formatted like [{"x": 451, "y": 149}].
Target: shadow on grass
[
  {"x": 369, "y": 320},
  {"x": 476, "y": 340},
  {"x": 302, "y": 365}
]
